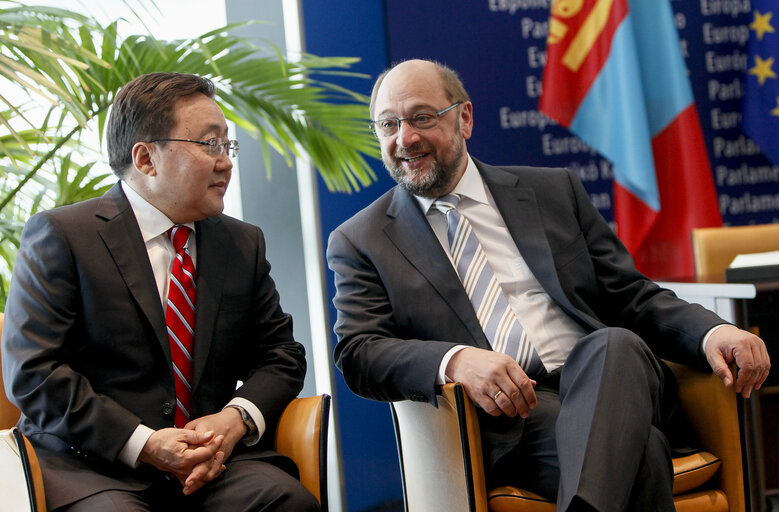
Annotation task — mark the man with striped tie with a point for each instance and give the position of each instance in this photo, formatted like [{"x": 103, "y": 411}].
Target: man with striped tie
[
  {"x": 507, "y": 280},
  {"x": 132, "y": 318}
]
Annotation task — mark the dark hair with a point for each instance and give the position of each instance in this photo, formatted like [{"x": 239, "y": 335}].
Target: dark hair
[
  {"x": 143, "y": 110},
  {"x": 453, "y": 86}
]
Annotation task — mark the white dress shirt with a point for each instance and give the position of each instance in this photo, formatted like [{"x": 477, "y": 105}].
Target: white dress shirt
[
  {"x": 154, "y": 226},
  {"x": 550, "y": 330}
]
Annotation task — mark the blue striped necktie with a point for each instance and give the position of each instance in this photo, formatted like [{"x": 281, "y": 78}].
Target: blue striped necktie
[{"x": 497, "y": 319}]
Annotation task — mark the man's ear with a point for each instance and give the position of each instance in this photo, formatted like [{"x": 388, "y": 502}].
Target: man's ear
[
  {"x": 142, "y": 158},
  {"x": 466, "y": 119}
]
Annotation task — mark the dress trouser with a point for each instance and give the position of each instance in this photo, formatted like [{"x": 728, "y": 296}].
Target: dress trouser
[
  {"x": 246, "y": 486},
  {"x": 593, "y": 443}
]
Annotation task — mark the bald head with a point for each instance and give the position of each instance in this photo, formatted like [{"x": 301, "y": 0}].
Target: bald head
[{"x": 425, "y": 73}]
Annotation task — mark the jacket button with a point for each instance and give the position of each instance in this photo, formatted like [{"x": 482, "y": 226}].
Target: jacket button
[{"x": 168, "y": 408}]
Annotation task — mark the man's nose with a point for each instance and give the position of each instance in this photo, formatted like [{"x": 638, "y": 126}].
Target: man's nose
[
  {"x": 224, "y": 162},
  {"x": 407, "y": 134}
]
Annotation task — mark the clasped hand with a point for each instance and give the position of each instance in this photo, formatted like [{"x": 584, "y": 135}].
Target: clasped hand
[
  {"x": 494, "y": 381},
  {"x": 195, "y": 454}
]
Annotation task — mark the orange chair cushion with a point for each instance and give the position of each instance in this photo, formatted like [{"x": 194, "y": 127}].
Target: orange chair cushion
[
  {"x": 708, "y": 501},
  {"x": 694, "y": 470},
  {"x": 690, "y": 472},
  {"x": 511, "y": 499}
]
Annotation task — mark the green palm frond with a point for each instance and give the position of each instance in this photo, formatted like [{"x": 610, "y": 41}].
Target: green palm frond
[{"x": 59, "y": 73}]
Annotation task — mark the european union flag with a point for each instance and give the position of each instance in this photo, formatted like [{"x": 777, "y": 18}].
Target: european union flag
[{"x": 761, "y": 102}]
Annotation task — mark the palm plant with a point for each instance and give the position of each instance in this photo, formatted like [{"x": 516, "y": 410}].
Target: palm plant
[{"x": 73, "y": 66}]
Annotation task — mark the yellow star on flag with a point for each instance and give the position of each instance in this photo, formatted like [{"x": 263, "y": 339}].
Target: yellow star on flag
[
  {"x": 762, "y": 24},
  {"x": 762, "y": 69},
  {"x": 775, "y": 112}
]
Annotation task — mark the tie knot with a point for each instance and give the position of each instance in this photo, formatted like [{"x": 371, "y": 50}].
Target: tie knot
[
  {"x": 446, "y": 203},
  {"x": 179, "y": 235}
]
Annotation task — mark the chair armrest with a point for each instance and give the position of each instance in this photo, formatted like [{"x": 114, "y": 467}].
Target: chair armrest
[
  {"x": 9, "y": 413},
  {"x": 37, "y": 476},
  {"x": 440, "y": 453},
  {"x": 21, "y": 480},
  {"x": 713, "y": 413},
  {"x": 470, "y": 434},
  {"x": 301, "y": 435}
]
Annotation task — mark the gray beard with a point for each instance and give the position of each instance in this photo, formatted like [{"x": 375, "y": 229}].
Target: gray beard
[
  {"x": 437, "y": 181},
  {"x": 434, "y": 180}
]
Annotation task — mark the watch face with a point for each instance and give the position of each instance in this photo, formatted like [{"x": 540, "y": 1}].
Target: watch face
[{"x": 247, "y": 420}]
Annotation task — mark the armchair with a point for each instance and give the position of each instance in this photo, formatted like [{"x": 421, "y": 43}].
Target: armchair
[
  {"x": 441, "y": 456},
  {"x": 18, "y": 464},
  {"x": 714, "y": 248},
  {"x": 301, "y": 435}
]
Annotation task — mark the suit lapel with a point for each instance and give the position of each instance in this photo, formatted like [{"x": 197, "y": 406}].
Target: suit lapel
[
  {"x": 519, "y": 208},
  {"x": 122, "y": 237},
  {"x": 410, "y": 232},
  {"x": 211, "y": 242}
]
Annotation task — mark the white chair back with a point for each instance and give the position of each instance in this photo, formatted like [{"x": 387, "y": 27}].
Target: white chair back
[{"x": 436, "y": 476}]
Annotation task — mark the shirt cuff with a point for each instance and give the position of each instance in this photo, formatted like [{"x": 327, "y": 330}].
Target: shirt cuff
[
  {"x": 708, "y": 335},
  {"x": 133, "y": 447},
  {"x": 441, "y": 378},
  {"x": 256, "y": 415}
]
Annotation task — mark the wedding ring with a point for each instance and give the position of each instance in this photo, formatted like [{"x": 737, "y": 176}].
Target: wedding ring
[{"x": 496, "y": 395}]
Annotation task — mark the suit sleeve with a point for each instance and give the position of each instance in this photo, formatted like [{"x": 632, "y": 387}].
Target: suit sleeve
[
  {"x": 60, "y": 408},
  {"x": 274, "y": 364},
  {"x": 672, "y": 327},
  {"x": 377, "y": 361}
]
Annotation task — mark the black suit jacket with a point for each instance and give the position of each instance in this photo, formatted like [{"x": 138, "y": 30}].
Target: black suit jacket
[
  {"x": 86, "y": 355},
  {"x": 401, "y": 305}
]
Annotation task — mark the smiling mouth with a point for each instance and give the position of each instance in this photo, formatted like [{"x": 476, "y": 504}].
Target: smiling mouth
[{"x": 413, "y": 158}]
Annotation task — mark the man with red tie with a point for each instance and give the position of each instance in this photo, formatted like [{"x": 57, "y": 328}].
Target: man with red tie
[{"x": 132, "y": 319}]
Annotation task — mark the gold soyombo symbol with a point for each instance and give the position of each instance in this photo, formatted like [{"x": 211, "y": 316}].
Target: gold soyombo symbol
[{"x": 584, "y": 39}]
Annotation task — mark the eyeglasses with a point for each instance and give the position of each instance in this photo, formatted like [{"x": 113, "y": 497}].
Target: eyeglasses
[
  {"x": 421, "y": 121},
  {"x": 216, "y": 146}
]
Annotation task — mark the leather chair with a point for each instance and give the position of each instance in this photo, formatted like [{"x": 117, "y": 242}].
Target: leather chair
[
  {"x": 715, "y": 248},
  {"x": 301, "y": 435},
  {"x": 30, "y": 468},
  {"x": 442, "y": 468}
]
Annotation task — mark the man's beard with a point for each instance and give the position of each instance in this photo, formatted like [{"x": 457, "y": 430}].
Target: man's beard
[{"x": 436, "y": 181}]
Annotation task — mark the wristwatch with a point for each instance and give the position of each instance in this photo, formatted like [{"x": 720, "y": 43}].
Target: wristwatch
[{"x": 251, "y": 427}]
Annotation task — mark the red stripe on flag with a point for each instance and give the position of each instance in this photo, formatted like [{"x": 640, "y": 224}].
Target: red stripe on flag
[
  {"x": 688, "y": 199},
  {"x": 633, "y": 217},
  {"x": 578, "y": 46}
]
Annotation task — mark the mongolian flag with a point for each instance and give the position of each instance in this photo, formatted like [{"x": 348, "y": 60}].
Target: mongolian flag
[
  {"x": 616, "y": 78},
  {"x": 761, "y": 100}
]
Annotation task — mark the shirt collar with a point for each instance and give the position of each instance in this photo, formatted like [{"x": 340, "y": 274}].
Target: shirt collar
[
  {"x": 471, "y": 185},
  {"x": 152, "y": 221}
]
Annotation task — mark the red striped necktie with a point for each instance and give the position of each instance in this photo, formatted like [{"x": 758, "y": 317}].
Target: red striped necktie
[{"x": 180, "y": 318}]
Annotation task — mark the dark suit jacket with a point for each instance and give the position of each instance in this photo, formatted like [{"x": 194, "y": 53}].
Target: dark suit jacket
[
  {"x": 401, "y": 305},
  {"x": 86, "y": 355}
]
